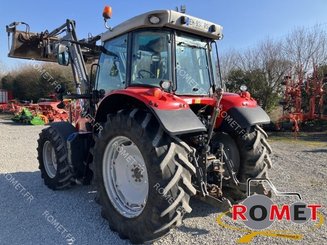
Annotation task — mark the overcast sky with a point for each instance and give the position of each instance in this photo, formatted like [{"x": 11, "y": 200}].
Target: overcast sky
[{"x": 245, "y": 22}]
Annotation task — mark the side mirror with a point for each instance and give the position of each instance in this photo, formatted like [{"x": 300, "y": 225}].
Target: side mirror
[
  {"x": 93, "y": 76},
  {"x": 62, "y": 55}
]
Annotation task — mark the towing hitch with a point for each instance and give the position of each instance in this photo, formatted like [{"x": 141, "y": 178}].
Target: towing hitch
[{"x": 223, "y": 204}]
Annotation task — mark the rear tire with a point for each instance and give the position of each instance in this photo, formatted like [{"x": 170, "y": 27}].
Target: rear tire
[
  {"x": 254, "y": 153},
  {"x": 230, "y": 148},
  {"x": 230, "y": 191},
  {"x": 250, "y": 156},
  {"x": 167, "y": 169}
]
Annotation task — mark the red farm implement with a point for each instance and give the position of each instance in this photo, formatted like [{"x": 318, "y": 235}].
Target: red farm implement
[
  {"x": 46, "y": 109},
  {"x": 304, "y": 99}
]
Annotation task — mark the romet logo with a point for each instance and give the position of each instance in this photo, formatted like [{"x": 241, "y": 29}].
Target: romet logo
[{"x": 258, "y": 212}]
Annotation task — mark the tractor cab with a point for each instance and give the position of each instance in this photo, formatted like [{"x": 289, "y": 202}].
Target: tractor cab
[{"x": 163, "y": 48}]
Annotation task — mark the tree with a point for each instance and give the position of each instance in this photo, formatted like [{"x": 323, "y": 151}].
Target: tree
[
  {"x": 2, "y": 70},
  {"x": 306, "y": 47},
  {"x": 257, "y": 85},
  {"x": 6, "y": 82},
  {"x": 32, "y": 82},
  {"x": 262, "y": 69}
]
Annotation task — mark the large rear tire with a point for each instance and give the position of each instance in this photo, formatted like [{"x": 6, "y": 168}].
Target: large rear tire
[
  {"x": 250, "y": 154},
  {"x": 254, "y": 154},
  {"x": 134, "y": 137}
]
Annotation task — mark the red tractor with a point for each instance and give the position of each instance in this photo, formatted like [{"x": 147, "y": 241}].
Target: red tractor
[{"x": 154, "y": 127}]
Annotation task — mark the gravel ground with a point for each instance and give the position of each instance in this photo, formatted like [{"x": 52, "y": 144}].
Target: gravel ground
[{"x": 298, "y": 166}]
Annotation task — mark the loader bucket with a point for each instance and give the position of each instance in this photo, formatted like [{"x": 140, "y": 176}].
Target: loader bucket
[
  {"x": 42, "y": 46},
  {"x": 29, "y": 45}
]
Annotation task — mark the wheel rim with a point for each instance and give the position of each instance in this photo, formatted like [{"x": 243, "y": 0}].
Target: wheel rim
[
  {"x": 49, "y": 159},
  {"x": 125, "y": 176}
]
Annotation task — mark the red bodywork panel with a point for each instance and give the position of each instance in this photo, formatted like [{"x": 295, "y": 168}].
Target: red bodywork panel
[
  {"x": 158, "y": 99},
  {"x": 154, "y": 97},
  {"x": 228, "y": 101}
]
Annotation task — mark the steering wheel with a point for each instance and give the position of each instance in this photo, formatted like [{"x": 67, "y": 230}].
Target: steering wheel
[{"x": 145, "y": 71}]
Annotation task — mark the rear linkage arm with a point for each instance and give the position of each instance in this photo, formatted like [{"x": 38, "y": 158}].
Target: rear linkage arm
[
  {"x": 218, "y": 96},
  {"x": 222, "y": 203}
]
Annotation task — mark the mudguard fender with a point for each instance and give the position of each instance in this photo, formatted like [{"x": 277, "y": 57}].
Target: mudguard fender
[
  {"x": 172, "y": 112},
  {"x": 179, "y": 121},
  {"x": 243, "y": 117}
]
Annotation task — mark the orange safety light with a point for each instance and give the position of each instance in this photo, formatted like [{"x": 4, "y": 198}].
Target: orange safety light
[
  {"x": 107, "y": 12},
  {"x": 157, "y": 92}
]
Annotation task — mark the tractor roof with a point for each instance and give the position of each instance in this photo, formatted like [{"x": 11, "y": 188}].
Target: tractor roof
[{"x": 170, "y": 19}]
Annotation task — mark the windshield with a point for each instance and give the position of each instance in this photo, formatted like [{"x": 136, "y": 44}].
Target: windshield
[
  {"x": 151, "y": 58},
  {"x": 192, "y": 69}
]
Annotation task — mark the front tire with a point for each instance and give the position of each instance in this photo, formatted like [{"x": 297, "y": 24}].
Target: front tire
[
  {"x": 53, "y": 157},
  {"x": 164, "y": 165}
]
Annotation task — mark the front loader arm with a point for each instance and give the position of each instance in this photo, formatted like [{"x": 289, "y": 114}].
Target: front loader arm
[
  {"x": 43, "y": 46},
  {"x": 61, "y": 42}
]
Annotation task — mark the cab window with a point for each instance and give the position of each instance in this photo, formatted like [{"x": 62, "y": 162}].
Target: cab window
[
  {"x": 112, "y": 73},
  {"x": 151, "y": 57}
]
